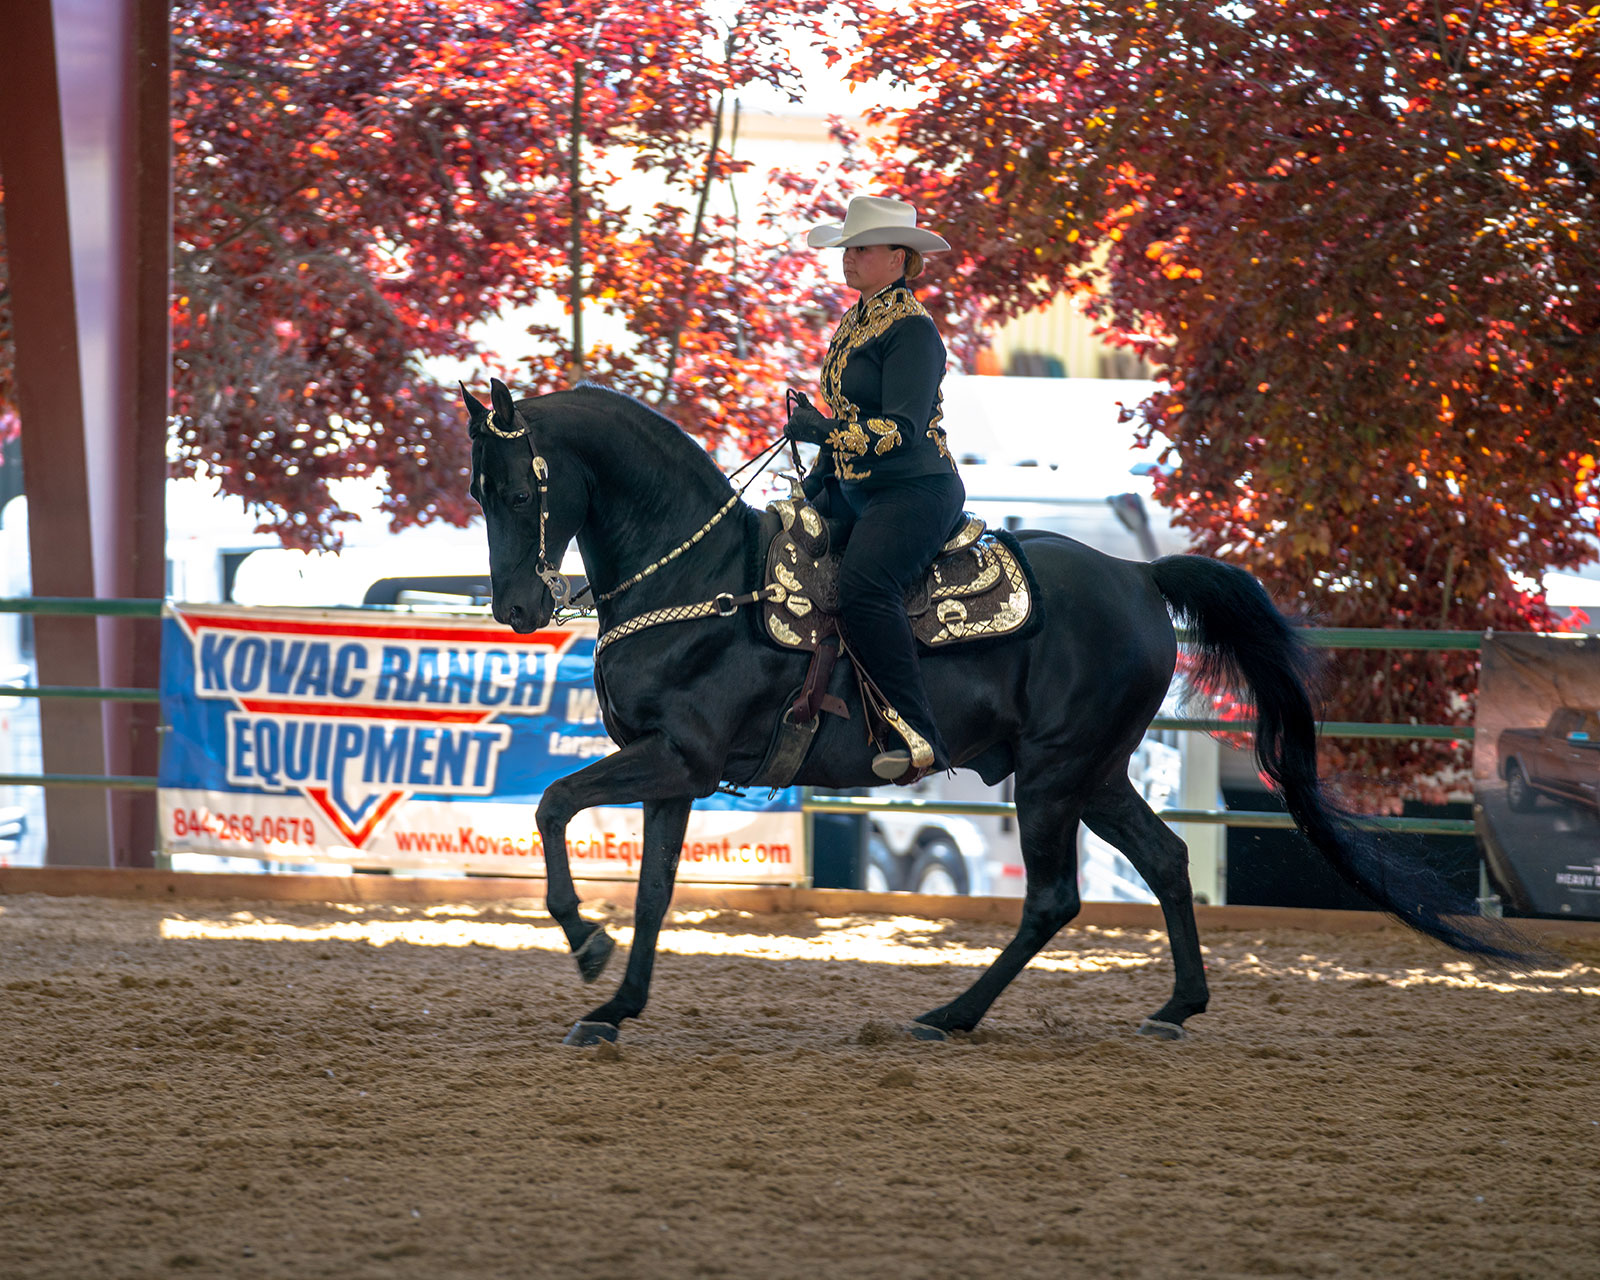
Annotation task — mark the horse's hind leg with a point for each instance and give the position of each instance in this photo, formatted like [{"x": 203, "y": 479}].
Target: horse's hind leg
[
  {"x": 1047, "y": 821},
  {"x": 1119, "y": 815}
]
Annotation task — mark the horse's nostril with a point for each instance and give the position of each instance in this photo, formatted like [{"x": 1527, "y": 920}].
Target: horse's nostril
[{"x": 514, "y": 613}]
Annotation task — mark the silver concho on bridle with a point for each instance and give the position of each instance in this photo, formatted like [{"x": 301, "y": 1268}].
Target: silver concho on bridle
[{"x": 556, "y": 583}]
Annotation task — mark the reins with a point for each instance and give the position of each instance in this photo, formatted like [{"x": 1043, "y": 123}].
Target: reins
[
  {"x": 764, "y": 457},
  {"x": 671, "y": 555}
]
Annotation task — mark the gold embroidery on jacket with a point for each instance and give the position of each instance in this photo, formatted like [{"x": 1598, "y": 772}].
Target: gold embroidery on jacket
[
  {"x": 888, "y": 434},
  {"x": 935, "y": 432},
  {"x": 861, "y": 324},
  {"x": 849, "y": 440}
]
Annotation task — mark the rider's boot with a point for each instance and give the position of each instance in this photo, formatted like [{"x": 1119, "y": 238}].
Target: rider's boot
[{"x": 905, "y": 765}]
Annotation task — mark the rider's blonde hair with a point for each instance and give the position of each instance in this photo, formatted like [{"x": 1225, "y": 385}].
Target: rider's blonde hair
[{"x": 914, "y": 262}]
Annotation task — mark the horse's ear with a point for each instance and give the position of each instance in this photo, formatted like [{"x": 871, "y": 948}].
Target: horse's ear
[
  {"x": 505, "y": 408},
  {"x": 475, "y": 409}
]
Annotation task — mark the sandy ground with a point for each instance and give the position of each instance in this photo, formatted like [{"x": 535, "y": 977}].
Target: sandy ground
[{"x": 252, "y": 1090}]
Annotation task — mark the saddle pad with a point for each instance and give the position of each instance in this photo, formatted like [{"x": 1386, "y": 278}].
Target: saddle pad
[{"x": 977, "y": 588}]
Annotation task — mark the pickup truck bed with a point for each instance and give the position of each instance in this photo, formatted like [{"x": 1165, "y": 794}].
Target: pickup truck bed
[{"x": 1561, "y": 760}]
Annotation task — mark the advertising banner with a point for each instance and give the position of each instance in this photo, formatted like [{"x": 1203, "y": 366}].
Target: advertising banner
[
  {"x": 1536, "y": 771},
  {"x": 411, "y": 742}
]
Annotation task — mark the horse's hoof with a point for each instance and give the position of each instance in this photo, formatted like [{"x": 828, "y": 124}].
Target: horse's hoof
[
  {"x": 922, "y": 1031},
  {"x": 584, "y": 1034},
  {"x": 1162, "y": 1030},
  {"x": 593, "y": 954}
]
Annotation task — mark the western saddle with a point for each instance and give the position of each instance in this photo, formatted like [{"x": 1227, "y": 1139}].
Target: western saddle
[{"x": 977, "y": 588}]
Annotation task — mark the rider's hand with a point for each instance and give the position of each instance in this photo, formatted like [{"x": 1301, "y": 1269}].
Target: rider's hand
[{"x": 806, "y": 423}]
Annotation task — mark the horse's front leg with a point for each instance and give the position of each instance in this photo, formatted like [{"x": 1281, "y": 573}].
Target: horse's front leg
[
  {"x": 647, "y": 769},
  {"x": 664, "y": 824}
]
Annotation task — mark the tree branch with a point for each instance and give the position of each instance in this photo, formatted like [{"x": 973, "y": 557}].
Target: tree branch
[{"x": 686, "y": 290}]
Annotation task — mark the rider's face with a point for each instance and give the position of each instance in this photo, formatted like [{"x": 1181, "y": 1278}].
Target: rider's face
[{"x": 870, "y": 267}]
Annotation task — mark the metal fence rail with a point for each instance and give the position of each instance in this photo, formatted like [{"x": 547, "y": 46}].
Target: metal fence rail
[
  {"x": 1321, "y": 637},
  {"x": 1383, "y": 638},
  {"x": 82, "y": 607},
  {"x": 106, "y": 781},
  {"x": 1332, "y": 728},
  {"x": 1260, "y": 819},
  {"x": 84, "y": 692}
]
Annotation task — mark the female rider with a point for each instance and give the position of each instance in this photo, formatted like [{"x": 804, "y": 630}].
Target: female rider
[{"x": 884, "y": 466}]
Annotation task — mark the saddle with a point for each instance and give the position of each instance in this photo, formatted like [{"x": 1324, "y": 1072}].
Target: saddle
[{"x": 977, "y": 587}]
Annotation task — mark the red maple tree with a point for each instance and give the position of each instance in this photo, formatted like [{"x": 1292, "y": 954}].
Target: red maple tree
[
  {"x": 360, "y": 186},
  {"x": 1362, "y": 244}
]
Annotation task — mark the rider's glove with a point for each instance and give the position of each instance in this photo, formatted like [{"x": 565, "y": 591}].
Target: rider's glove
[{"x": 806, "y": 423}]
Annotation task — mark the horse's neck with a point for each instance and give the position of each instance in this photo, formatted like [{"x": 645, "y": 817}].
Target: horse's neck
[{"x": 647, "y": 499}]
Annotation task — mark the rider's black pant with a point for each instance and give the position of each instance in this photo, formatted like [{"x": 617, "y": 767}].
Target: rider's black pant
[{"x": 897, "y": 529}]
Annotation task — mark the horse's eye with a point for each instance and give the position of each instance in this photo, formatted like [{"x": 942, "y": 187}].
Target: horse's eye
[{"x": 519, "y": 499}]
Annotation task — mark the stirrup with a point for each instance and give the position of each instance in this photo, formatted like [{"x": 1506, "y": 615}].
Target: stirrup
[{"x": 919, "y": 751}]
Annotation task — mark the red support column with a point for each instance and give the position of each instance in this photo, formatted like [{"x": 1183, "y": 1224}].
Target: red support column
[
  {"x": 87, "y": 198},
  {"x": 132, "y": 556},
  {"x": 50, "y": 405}
]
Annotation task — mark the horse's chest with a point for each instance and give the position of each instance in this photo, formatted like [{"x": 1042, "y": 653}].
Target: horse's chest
[
  {"x": 616, "y": 720},
  {"x": 656, "y": 691}
]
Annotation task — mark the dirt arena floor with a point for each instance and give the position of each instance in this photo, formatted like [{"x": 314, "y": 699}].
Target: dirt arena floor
[{"x": 243, "y": 1089}]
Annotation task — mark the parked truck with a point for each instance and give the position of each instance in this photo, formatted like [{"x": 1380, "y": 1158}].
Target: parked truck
[{"x": 1561, "y": 760}]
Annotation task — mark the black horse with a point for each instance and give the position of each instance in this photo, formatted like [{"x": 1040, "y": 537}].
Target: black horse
[{"x": 693, "y": 703}]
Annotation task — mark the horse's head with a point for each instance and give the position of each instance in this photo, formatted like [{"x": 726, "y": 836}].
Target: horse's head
[{"x": 531, "y": 508}]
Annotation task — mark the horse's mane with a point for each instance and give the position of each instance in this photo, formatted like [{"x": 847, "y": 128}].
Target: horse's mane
[{"x": 684, "y": 449}]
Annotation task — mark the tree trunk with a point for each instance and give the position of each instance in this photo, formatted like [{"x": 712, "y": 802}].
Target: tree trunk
[
  {"x": 575, "y": 242},
  {"x": 686, "y": 291},
  {"x": 739, "y": 345}
]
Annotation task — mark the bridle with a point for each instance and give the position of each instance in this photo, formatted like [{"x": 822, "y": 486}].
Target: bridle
[{"x": 556, "y": 582}]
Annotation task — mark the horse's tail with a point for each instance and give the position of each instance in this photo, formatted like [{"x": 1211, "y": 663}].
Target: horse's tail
[{"x": 1246, "y": 646}]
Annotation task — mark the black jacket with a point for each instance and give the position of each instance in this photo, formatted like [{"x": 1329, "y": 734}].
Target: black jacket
[{"x": 881, "y": 379}]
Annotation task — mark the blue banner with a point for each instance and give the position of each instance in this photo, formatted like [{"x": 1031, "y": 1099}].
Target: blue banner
[{"x": 408, "y": 740}]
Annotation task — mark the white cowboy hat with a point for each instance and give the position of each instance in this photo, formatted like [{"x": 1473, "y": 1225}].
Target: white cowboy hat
[{"x": 876, "y": 220}]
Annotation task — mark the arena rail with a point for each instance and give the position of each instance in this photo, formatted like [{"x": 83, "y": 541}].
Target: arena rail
[
  {"x": 1322, "y": 637},
  {"x": 80, "y": 607}
]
